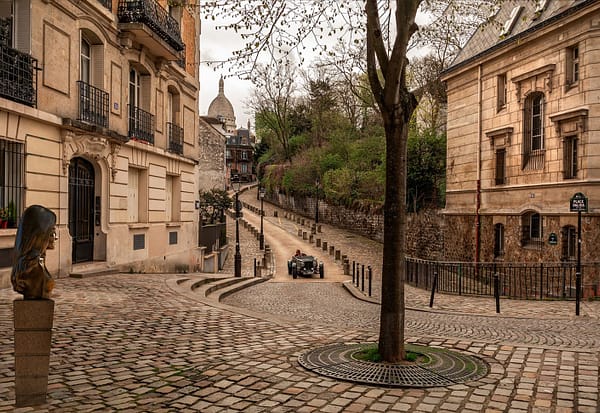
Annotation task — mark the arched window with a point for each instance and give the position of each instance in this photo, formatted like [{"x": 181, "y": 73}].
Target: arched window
[
  {"x": 531, "y": 227},
  {"x": 533, "y": 131}
]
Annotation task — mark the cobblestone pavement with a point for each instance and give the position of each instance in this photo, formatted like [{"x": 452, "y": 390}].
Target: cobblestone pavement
[{"x": 132, "y": 342}]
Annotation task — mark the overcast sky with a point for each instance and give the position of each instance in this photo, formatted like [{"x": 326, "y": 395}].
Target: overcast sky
[{"x": 219, "y": 44}]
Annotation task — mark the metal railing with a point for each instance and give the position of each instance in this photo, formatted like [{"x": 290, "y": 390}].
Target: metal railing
[
  {"x": 141, "y": 124},
  {"x": 18, "y": 76},
  {"x": 106, "y": 3},
  {"x": 93, "y": 104},
  {"x": 154, "y": 16},
  {"x": 12, "y": 188},
  {"x": 516, "y": 280},
  {"x": 175, "y": 134}
]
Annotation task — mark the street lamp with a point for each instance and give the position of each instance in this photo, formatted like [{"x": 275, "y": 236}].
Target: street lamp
[
  {"x": 235, "y": 184},
  {"x": 261, "y": 192},
  {"x": 317, "y": 206}
]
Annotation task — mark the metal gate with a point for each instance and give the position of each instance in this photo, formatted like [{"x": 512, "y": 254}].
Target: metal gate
[{"x": 81, "y": 209}]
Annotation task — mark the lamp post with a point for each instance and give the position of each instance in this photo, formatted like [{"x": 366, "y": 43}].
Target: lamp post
[
  {"x": 317, "y": 205},
  {"x": 261, "y": 192},
  {"x": 235, "y": 183}
]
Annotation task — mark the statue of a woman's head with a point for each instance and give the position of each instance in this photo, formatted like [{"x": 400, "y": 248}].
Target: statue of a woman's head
[{"x": 36, "y": 231}]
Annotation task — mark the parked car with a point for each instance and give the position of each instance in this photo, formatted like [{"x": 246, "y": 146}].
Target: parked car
[{"x": 306, "y": 266}]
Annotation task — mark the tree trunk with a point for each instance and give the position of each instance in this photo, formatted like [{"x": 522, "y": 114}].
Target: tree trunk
[{"x": 391, "y": 330}]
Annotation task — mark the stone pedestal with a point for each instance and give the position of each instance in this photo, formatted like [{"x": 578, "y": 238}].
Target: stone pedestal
[{"x": 33, "y": 334}]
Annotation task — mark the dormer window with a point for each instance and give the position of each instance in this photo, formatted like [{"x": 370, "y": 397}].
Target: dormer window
[
  {"x": 510, "y": 23},
  {"x": 541, "y": 6}
]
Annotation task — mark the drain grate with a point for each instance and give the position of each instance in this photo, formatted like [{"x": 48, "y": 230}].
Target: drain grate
[{"x": 436, "y": 367}]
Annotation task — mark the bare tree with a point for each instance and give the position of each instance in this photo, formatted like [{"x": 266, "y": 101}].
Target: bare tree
[
  {"x": 285, "y": 28},
  {"x": 273, "y": 99}
]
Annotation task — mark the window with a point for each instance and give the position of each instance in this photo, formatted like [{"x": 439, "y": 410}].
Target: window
[
  {"x": 572, "y": 69},
  {"x": 244, "y": 155},
  {"x": 244, "y": 168},
  {"x": 12, "y": 168},
  {"x": 15, "y": 24},
  {"x": 570, "y": 157},
  {"x": 498, "y": 240},
  {"x": 86, "y": 58},
  {"x": 137, "y": 209},
  {"x": 569, "y": 243},
  {"x": 501, "y": 166},
  {"x": 502, "y": 91},
  {"x": 531, "y": 229},
  {"x": 172, "y": 198},
  {"x": 533, "y": 131},
  {"x": 141, "y": 122},
  {"x": 510, "y": 22}
]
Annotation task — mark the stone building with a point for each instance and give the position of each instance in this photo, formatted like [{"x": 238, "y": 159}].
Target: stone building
[
  {"x": 239, "y": 152},
  {"x": 99, "y": 122},
  {"x": 523, "y": 135},
  {"x": 212, "y": 154}
]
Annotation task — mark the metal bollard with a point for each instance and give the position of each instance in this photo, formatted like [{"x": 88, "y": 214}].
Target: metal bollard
[
  {"x": 497, "y": 292},
  {"x": 353, "y": 271},
  {"x": 433, "y": 287},
  {"x": 363, "y": 278},
  {"x": 370, "y": 280},
  {"x": 255, "y": 267},
  {"x": 318, "y": 243},
  {"x": 324, "y": 245}
]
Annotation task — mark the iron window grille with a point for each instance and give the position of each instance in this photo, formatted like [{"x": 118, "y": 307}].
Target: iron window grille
[
  {"x": 141, "y": 124},
  {"x": 12, "y": 165},
  {"x": 570, "y": 157},
  {"x": 93, "y": 104},
  {"x": 18, "y": 75},
  {"x": 153, "y": 15},
  {"x": 107, "y": 4},
  {"x": 175, "y": 138}
]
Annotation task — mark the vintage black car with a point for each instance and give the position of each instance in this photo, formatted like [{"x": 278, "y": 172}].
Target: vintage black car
[{"x": 306, "y": 266}]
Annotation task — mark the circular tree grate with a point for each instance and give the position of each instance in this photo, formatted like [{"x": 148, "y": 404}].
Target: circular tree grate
[{"x": 436, "y": 367}]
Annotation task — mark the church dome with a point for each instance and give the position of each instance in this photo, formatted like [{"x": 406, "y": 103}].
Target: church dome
[{"x": 221, "y": 108}]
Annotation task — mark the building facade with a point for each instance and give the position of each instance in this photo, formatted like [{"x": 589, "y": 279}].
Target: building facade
[
  {"x": 99, "y": 122},
  {"x": 523, "y": 136},
  {"x": 240, "y": 155}
]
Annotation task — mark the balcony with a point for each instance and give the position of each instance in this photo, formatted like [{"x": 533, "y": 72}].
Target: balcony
[
  {"x": 93, "y": 105},
  {"x": 107, "y": 4},
  {"x": 141, "y": 125},
  {"x": 18, "y": 76},
  {"x": 175, "y": 134},
  {"x": 150, "y": 25}
]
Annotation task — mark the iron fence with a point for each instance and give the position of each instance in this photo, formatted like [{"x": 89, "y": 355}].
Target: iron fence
[
  {"x": 18, "y": 76},
  {"x": 141, "y": 124},
  {"x": 93, "y": 104},
  {"x": 516, "y": 280},
  {"x": 12, "y": 188},
  {"x": 154, "y": 16},
  {"x": 175, "y": 134}
]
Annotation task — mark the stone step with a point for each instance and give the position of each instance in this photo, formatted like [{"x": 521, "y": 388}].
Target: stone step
[
  {"x": 93, "y": 269},
  {"x": 220, "y": 290}
]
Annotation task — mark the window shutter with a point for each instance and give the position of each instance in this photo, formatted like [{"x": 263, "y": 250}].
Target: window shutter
[
  {"x": 22, "y": 29},
  {"x": 98, "y": 66},
  {"x": 145, "y": 93}
]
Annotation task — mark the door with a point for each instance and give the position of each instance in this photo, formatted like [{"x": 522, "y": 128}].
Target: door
[{"x": 81, "y": 209}]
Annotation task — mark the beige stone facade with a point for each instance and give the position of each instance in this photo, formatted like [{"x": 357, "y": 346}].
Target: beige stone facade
[
  {"x": 110, "y": 140},
  {"x": 524, "y": 135}
]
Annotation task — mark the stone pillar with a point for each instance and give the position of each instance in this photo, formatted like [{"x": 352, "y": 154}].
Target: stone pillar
[{"x": 33, "y": 334}]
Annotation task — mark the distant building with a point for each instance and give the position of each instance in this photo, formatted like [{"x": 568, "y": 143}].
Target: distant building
[
  {"x": 239, "y": 151},
  {"x": 524, "y": 135},
  {"x": 212, "y": 169}
]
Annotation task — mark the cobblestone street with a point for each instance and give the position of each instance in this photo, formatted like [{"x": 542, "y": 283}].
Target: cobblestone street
[{"x": 138, "y": 343}]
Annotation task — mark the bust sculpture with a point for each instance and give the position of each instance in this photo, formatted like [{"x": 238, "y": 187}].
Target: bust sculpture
[{"x": 36, "y": 234}]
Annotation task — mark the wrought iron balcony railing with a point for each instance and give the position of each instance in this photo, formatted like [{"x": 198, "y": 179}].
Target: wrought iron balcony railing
[
  {"x": 93, "y": 105},
  {"x": 175, "y": 134},
  {"x": 141, "y": 124},
  {"x": 18, "y": 76},
  {"x": 154, "y": 16},
  {"x": 181, "y": 61}
]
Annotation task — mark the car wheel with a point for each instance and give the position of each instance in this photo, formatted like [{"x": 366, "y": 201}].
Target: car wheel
[
  {"x": 289, "y": 268},
  {"x": 294, "y": 271},
  {"x": 321, "y": 270}
]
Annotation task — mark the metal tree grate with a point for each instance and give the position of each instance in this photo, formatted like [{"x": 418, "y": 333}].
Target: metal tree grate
[{"x": 436, "y": 367}]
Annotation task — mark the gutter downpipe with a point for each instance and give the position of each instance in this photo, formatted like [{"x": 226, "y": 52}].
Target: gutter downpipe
[{"x": 478, "y": 191}]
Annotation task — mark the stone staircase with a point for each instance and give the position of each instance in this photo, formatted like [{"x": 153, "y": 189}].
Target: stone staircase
[
  {"x": 211, "y": 287},
  {"x": 90, "y": 269}
]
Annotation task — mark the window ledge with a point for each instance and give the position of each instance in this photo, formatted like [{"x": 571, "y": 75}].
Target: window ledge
[
  {"x": 173, "y": 224},
  {"x": 139, "y": 225}
]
